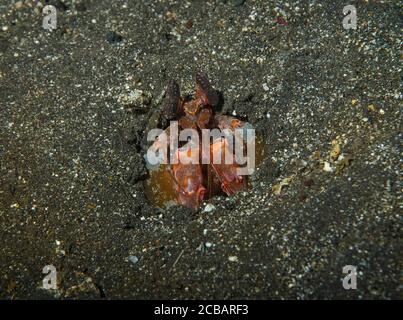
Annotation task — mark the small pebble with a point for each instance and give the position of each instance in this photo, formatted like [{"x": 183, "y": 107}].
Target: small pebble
[
  {"x": 133, "y": 259},
  {"x": 189, "y": 24},
  {"x": 233, "y": 258},
  {"x": 209, "y": 208},
  {"x": 327, "y": 167},
  {"x": 18, "y": 5}
]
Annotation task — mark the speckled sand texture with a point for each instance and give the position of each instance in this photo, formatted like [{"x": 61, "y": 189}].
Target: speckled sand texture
[{"x": 74, "y": 107}]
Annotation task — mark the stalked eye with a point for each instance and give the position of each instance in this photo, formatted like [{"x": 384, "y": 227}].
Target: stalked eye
[
  {"x": 203, "y": 82},
  {"x": 172, "y": 96}
]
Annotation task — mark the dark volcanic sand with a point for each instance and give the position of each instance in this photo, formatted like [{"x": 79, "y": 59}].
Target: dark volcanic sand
[{"x": 75, "y": 104}]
